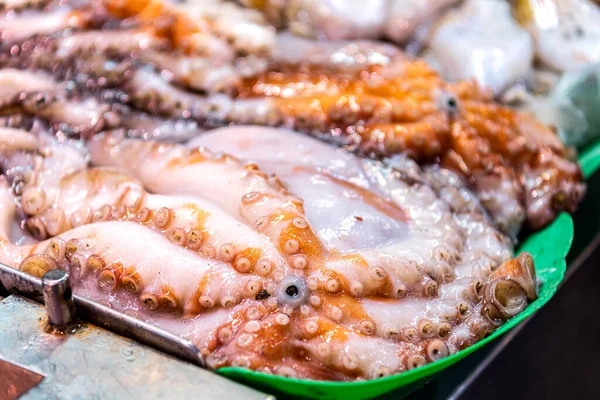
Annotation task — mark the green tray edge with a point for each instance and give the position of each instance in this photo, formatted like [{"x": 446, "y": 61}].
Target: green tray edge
[
  {"x": 590, "y": 159},
  {"x": 548, "y": 247}
]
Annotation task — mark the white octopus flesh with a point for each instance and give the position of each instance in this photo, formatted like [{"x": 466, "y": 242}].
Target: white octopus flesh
[{"x": 286, "y": 256}]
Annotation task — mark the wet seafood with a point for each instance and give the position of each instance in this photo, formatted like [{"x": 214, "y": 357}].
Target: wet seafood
[
  {"x": 368, "y": 98},
  {"x": 481, "y": 40},
  {"x": 397, "y": 20},
  {"x": 416, "y": 112},
  {"x": 267, "y": 248},
  {"x": 566, "y": 32},
  {"x": 335, "y": 268}
]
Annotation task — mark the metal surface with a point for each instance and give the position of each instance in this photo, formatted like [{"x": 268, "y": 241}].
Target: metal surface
[
  {"x": 18, "y": 282},
  {"x": 93, "y": 363},
  {"x": 16, "y": 381},
  {"x": 58, "y": 298}
]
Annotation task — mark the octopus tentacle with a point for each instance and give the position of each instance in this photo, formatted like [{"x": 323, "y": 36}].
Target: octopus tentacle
[
  {"x": 106, "y": 194},
  {"x": 471, "y": 134},
  {"x": 284, "y": 281},
  {"x": 251, "y": 197},
  {"x": 33, "y": 23},
  {"x": 200, "y": 28},
  {"x": 96, "y": 253},
  {"x": 39, "y": 95}
]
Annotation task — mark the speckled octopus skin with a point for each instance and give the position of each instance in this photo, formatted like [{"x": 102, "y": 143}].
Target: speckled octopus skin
[
  {"x": 336, "y": 268},
  {"x": 366, "y": 96}
]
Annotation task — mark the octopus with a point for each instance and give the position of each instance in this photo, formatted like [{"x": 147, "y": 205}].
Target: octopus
[
  {"x": 326, "y": 210},
  {"x": 366, "y": 96},
  {"x": 39, "y": 95},
  {"x": 268, "y": 249}
]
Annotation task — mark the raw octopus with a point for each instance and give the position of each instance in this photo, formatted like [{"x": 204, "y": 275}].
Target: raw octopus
[
  {"x": 367, "y": 97},
  {"x": 287, "y": 256}
]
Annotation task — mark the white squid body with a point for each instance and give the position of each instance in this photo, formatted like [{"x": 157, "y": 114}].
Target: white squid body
[
  {"x": 566, "y": 32},
  {"x": 482, "y": 41}
]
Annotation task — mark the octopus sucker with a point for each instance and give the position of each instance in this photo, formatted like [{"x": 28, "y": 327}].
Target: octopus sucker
[
  {"x": 277, "y": 207},
  {"x": 37, "y": 265}
]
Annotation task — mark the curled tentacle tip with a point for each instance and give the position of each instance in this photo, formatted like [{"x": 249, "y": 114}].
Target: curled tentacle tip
[
  {"x": 37, "y": 228},
  {"x": 503, "y": 298},
  {"x": 522, "y": 271}
]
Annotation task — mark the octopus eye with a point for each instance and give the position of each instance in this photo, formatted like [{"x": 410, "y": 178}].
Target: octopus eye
[
  {"x": 448, "y": 102},
  {"x": 291, "y": 291}
]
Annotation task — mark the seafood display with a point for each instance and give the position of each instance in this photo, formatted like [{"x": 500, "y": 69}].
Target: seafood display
[
  {"x": 564, "y": 34},
  {"x": 328, "y": 209},
  {"x": 269, "y": 272},
  {"x": 401, "y": 106}
]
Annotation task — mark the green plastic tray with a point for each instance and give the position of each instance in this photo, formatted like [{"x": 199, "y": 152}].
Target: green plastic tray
[
  {"x": 590, "y": 159},
  {"x": 548, "y": 248}
]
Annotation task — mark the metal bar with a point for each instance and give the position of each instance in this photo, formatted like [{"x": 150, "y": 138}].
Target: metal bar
[
  {"x": 18, "y": 282},
  {"x": 58, "y": 298}
]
